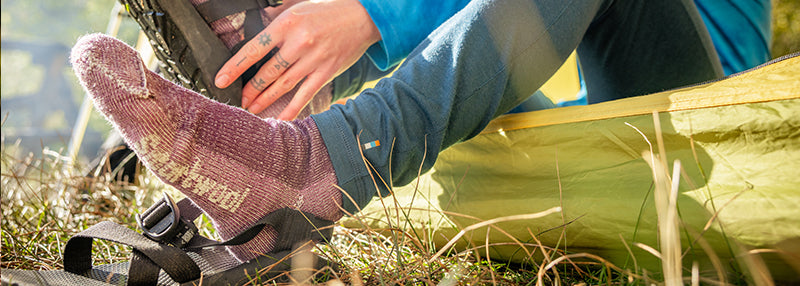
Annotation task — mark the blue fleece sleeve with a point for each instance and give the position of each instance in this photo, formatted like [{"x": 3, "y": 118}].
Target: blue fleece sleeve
[{"x": 403, "y": 24}]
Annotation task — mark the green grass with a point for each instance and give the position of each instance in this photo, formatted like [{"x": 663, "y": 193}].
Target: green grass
[{"x": 46, "y": 199}]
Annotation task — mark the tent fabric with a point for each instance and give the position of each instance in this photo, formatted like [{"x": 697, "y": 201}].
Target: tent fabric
[{"x": 738, "y": 141}]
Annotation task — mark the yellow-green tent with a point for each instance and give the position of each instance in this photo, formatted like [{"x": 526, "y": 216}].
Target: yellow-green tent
[{"x": 737, "y": 139}]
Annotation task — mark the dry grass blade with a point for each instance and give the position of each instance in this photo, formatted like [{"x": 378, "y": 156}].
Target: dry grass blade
[
  {"x": 669, "y": 238},
  {"x": 755, "y": 267},
  {"x": 491, "y": 222},
  {"x": 713, "y": 257},
  {"x": 542, "y": 270},
  {"x": 666, "y": 196}
]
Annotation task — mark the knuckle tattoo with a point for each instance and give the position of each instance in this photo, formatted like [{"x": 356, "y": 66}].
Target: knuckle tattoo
[
  {"x": 281, "y": 63},
  {"x": 258, "y": 83},
  {"x": 265, "y": 39}
]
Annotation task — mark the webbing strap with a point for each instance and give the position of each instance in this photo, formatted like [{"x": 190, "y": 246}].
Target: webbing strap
[
  {"x": 141, "y": 271},
  {"x": 175, "y": 262},
  {"x": 189, "y": 210},
  {"x": 213, "y": 10},
  {"x": 252, "y": 24},
  {"x": 293, "y": 226},
  {"x": 150, "y": 256},
  {"x": 207, "y": 50}
]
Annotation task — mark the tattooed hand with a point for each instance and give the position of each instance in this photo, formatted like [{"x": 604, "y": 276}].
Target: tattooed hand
[{"x": 317, "y": 40}]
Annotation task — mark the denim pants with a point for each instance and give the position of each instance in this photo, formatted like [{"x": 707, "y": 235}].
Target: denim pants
[{"x": 491, "y": 56}]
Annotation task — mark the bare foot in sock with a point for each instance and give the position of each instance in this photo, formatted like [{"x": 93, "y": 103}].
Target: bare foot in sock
[{"x": 235, "y": 166}]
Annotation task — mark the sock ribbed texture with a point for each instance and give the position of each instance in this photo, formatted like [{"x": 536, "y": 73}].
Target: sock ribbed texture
[
  {"x": 230, "y": 30},
  {"x": 235, "y": 166}
]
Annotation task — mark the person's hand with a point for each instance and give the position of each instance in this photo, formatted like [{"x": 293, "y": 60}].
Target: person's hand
[{"x": 317, "y": 40}]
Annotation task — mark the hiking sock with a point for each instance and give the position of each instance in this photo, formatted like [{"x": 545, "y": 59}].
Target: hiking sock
[
  {"x": 230, "y": 31},
  {"x": 233, "y": 165}
]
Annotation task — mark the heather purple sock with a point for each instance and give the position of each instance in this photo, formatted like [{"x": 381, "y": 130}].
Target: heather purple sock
[
  {"x": 235, "y": 166},
  {"x": 230, "y": 30}
]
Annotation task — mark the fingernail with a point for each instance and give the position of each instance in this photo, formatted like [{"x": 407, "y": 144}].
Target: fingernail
[
  {"x": 245, "y": 102},
  {"x": 253, "y": 108},
  {"x": 222, "y": 80}
]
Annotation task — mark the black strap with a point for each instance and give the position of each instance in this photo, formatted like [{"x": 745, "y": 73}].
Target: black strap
[
  {"x": 207, "y": 50},
  {"x": 293, "y": 226},
  {"x": 141, "y": 271},
  {"x": 175, "y": 262},
  {"x": 252, "y": 24},
  {"x": 189, "y": 210},
  {"x": 213, "y": 10},
  {"x": 150, "y": 256}
]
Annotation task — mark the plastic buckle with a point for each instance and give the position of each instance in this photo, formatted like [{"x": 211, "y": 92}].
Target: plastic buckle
[{"x": 162, "y": 222}]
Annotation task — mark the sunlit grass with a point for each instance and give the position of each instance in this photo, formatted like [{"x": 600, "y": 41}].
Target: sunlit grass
[{"x": 46, "y": 199}]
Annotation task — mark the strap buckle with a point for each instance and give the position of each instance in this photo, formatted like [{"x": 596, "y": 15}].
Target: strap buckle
[{"x": 162, "y": 222}]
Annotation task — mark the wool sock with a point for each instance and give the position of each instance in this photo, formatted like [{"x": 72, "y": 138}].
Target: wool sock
[
  {"x": 235, "y": 166},
  {"x": 231, "y": 31}
]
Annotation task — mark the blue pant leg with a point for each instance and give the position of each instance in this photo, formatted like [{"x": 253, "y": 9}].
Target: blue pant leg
[
  {"x": 476, "y": 66},
  {"x": 351, "y": 80}
]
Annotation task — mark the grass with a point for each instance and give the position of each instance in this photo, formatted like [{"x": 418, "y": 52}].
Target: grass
[{"x": 46, "y": 199}]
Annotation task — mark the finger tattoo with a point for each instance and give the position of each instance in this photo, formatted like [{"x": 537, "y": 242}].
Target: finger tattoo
[
  {"x": 281, "y": 61},
  {"x": 265, "y": 39},
  {"x": 259, "y": 83}
]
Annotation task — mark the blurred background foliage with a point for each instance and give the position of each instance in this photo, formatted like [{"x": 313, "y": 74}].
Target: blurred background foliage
[
  {"x": 40, "y": 93},
  {"x": 41, "y": 96},
  {"x": 785, "y": 27}
]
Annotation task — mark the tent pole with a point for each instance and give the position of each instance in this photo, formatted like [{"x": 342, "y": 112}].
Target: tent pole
[{"x": 79, "y": 129}]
